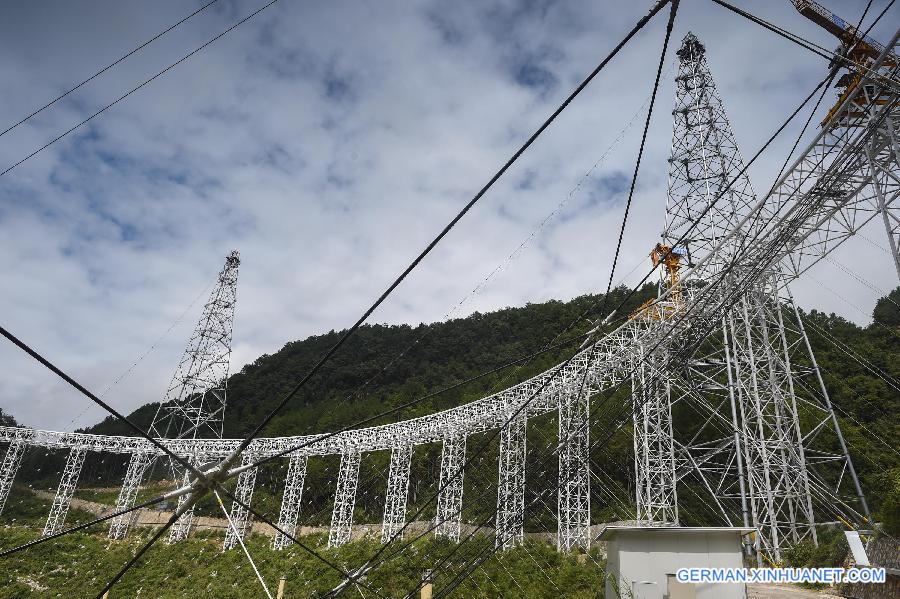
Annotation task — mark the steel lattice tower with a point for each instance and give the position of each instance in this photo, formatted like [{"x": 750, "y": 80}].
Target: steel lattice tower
[
  {"x": 708, "y": 196},
  {"x": 194, "y": 404},
  {"x": 744, "y": 381}
]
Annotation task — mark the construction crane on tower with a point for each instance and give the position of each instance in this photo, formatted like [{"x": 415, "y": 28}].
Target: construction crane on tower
[
  {"x": 857, "y": 50},
  {"x": 671, "y": 261}
]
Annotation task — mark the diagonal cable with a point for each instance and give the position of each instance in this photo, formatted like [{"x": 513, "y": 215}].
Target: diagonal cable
[
  {"x": 640, "y": 25},
  {"x": 138, "y": 87},
  {"x": 107, "y": 67}
]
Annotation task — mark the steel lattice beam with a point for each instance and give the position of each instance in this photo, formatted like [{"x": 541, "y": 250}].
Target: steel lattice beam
[
  {"x": 134, "y": 476},
  {"x": 240, "y": 515}
]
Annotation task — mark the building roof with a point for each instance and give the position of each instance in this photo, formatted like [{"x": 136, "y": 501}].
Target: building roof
[{"x": 611, "y": 531}]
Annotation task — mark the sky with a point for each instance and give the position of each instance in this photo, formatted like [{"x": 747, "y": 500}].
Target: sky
[{"x": 329, "y": 142}]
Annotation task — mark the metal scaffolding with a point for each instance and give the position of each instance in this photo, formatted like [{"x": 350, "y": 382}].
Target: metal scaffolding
[
  {"x": 574, "y": 492},
  {"x": 67, "y": 484},
  {"x": 722, "y": 351},
  {"x": 511, "y": 484},
  {"x": 290, "y": 503},
  {"x": 397, "y": 491},
  {"x": 449, "y": 501},
  {"x": 194, "y": 405},
  {"x": 11, "y": 462},
  {"x": 240, "y": 515},
  {"x": 137, "y": 468},
  {"x": 181, "y": 528},
  {"x": 344, "y": 499},
  {"x": 656, "y": 498}
]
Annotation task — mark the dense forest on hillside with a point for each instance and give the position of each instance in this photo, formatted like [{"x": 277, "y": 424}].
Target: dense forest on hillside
[{"x": 383, "y": 367}]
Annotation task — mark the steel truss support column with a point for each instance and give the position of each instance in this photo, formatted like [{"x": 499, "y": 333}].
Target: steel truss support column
[
  {"x": 240, "y": 516},
  {"x": 67, "y": 484},
  {"x": 182, "y": 526},
  {"x": 830, "y": 409},
  {"x": 449, "y": 501},
  {"x": 511, "y": 484},
  {"x": 344, "y": 499},
  {"x": 397, "y": 491},
  {"x": 574, "y": 495},
  {"x": 290, "y": 503},
  {"x": 656, "y": 498},
  {"x": 137, "y": 468},
  {"x": 11, "y": 462}
]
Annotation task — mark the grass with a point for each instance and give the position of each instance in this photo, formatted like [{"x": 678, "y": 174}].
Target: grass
[{"x": 79, "y": 564}]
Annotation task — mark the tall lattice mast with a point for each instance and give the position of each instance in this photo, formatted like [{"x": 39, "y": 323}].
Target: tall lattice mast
[
  {"x": 195, "y": 401},
  {"x": 760, "y": 444},
  {"x": 760, "y": 418},
  {"x": 194, "y": 404}
]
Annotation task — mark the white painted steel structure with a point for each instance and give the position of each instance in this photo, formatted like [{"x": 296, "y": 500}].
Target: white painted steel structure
[
  {"x": 241, "y": 518},
  {"x": 290, "y": 503},
  {"x": 730, "y": 297}
]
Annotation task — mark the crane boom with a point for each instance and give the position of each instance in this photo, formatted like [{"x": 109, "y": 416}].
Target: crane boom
[{"x": 833, "y": 24}]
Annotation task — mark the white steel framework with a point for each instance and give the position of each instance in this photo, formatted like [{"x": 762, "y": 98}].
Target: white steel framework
[
  {"x": 344, "y": 500},
  {"x": 511, "y": 485},
  {"x": 182, "y": 526},
  {"x": 67, "y": 484},
  {"x": 241, "y": 518},
  {"x": 729, "y": 302},
  {"x": 574, "y": 492},
  {"x": 290, "y": 503},
  {"x": 11, "y": 462},
  {"x": 449, "y": 501},
  {"x": 137, "y": 468},
  {"x": 397, "y": 492},
  {"x": 194, "y": 405}
]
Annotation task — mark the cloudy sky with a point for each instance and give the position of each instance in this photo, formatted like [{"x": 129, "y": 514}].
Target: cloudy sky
[{"x": 328, "y": 142}]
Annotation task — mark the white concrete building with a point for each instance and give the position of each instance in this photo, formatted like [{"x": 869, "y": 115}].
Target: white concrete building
[{"x": 642, "y": 561}]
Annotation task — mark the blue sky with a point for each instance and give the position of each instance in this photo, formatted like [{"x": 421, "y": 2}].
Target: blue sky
[{"x": 329, "y": 142}]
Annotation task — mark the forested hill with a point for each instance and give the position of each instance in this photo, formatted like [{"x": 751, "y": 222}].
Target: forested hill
[{"x": 384, "y": 366}]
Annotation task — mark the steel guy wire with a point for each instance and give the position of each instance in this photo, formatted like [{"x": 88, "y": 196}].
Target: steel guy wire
[
  {"x": 849, "y": 417},
  {"x": 646, "y": 277},
  {"x": 861, "y": 360},
  {"x": 515, "y": 253},
  {"x": 240, "y": 540},
  {"x": 865, "y": 282},
  {"x": 875, "y": 321},
  {"x": 811, "y": 46},
  {"x": 138, "y": 87},
  {"x": 640, "y": 25},
  {"x": 108, "y": 67},
  {"x": 149, "y": 350}
]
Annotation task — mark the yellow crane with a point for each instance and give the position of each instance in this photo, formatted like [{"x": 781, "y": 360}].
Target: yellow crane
[
  {"x": 670, "y": 259},
  {"x": 861, "y": 50}
]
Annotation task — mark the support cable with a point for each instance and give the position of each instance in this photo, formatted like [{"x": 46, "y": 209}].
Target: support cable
[
  {"x": 139, "y": 86},
  {"x": 108, "y": 67},
  {"x": 808, "y": 45},
  {"x": 673, "y": 9},
  {"x": 640, "y": 25},
  {"x": 240, "y": 540},
  {"x": 608, "y": 319}
]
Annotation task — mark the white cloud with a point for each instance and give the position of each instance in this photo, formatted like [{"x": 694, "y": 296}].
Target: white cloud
[{"x": 329, "y": 142}]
